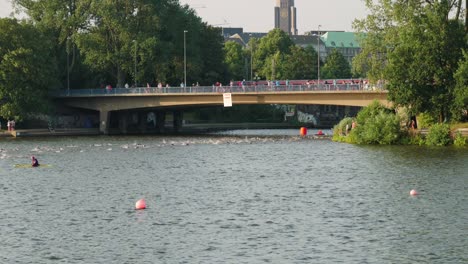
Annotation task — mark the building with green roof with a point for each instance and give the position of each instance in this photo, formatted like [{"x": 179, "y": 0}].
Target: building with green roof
[{"x": 345, "y": 42}]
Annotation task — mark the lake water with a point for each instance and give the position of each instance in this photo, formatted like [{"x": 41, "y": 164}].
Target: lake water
[{"x": 254, "y": 196}]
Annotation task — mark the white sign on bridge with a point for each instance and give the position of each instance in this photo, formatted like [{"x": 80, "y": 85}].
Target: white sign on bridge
[{"x": 227, "y": 98}]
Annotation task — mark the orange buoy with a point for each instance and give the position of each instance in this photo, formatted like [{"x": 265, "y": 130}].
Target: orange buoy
[
  {"x": 413, "y": 192},
  {"x": 303, "y": 131},
  {"x": 140, "y": 204}
]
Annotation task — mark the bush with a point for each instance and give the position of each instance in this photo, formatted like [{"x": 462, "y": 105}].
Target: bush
[
  {"x": 425, "y": 120},
  {"x": 340, "y": 128},
  {"x": 459, "y": 140},
  {"x": 412, "y": 138},
  {"x": 438, "y": 135},
  {"x": 377, "y": 125}
]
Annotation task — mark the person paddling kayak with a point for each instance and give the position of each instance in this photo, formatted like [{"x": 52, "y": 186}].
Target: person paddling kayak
[{"x": 34, "y": 162}]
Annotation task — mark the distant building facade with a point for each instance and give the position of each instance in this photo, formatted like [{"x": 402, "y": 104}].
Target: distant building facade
[
  {"x": 345, "y": 42},
  {"x": 229, "y": 31},
  {"x": 285, "y": 16}
]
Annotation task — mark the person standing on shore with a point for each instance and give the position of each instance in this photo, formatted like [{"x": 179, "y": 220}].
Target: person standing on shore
[{"x": 9, "y": 125}]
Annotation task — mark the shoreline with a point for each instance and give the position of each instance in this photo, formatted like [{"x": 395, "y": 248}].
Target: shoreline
[{"x": 187, "y": 129}]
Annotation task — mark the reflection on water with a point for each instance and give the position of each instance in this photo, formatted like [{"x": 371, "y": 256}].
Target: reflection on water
[{"x": 234, "y": 197}]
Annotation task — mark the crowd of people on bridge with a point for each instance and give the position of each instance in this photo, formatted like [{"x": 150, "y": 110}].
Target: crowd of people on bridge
[{"x": 273, "y": 85}]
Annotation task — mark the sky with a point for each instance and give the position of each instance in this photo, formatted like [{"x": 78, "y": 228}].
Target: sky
[{"x": 258, "y": 15}]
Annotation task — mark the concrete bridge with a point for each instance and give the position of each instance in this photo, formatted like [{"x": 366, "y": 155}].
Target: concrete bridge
[{"x": 122, "y": 100}]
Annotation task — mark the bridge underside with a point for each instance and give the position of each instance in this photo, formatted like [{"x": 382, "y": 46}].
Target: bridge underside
[
  {"x": 113, "y": 103},
  {"x": 107, "y": 104}
]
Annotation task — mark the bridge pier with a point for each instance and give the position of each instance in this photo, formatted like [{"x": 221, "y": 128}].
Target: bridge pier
[
  {"x": 142, "y": 121},
  {"x": 104, "y": 122},
  {"x": 160, "y": 121},
  {"x": 177, "y": 120},
  {"x": 123, "y": 122}
]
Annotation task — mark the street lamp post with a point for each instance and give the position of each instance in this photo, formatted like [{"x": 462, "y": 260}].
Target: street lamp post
[
  {"x": 185, "y": 60},
  {"x": 68, "y": 64},
  {"x": 318, "y": 56},
  {"x": 251, "y": 63},
  {"x": 135, "y": 63}
]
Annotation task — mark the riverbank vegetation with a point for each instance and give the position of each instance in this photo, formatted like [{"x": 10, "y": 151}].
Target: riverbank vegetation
[
  {"x": 419, "y": 49},
  {"x": 376, "y": 124}
]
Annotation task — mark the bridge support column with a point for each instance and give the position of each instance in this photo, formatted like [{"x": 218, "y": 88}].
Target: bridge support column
[
  {"x": 142, "y": 121},
  {"x": 160, "y": 121},
  {"x": 104, "y": 122},
  {"x": 177, "y": 120},
  {"x": 123, "y": 122}
]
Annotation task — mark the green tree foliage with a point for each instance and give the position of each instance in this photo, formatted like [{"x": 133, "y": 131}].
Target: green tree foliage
[
  {"x": 459, "y": 140},
  {"x": 336, "y": 66},
  {"x": 377, "y": 125},
  {"x": 62, "y": 20},
  {"x": 234, "y": 60},
  {"x": 270, "y": 54},
  {"x": 300, "y": 63},
  {"x": 252, "y": 46},
  {"x": 340, "y": 134},
  {"x": 107, "y": 37},
  {"x": 415, "y": 47},
  {"x": 460, "y": 105},
  {"x": 211, "y": 56},
  {"x": 27, "y": 69},
  {"x": 438, "y": 135}
]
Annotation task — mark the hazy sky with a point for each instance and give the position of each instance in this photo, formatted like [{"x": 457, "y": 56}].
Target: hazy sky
[{"x": 258, "y": 15}]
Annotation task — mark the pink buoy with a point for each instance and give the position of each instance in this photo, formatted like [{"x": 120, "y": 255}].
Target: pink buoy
[
  {"x": 140, "y": 204},
  {"x": 413, "y": 192}
]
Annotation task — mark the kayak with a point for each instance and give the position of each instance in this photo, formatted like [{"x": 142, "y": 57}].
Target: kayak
[{"x": 28, "y": 165}]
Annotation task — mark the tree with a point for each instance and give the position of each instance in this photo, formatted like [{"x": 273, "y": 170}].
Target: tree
[
  {"x": 212, "y": 56},
  {"x": 460, "y": 105},
  {"x": 336, "y": 66},
  {"x": 415, "y": 47},
  {"x": 62, "y": 20},
  {"x": 27, "y": 69},
  {"x": 234, "y": 60},
  {"x": 376, "y": 125},
  {"x": 301, "y": 63},
  {"x": 271, "y": 52}
]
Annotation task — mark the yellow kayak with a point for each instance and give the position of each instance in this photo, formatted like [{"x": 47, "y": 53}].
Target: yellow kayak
[{"x": 28, "y": 165}]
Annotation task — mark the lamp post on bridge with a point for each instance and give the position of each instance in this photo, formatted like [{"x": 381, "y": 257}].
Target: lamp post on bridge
[
  {"x": 318, "y": 56},
  {"x": 68, "y": 63},
  {"x": 135, "y": 64},
  {"x": 251, "y": 62},
  {"x": 185, "y": 59}
]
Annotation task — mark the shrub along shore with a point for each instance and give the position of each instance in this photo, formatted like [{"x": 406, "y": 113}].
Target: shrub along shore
[{"x": 376, "y": 124}]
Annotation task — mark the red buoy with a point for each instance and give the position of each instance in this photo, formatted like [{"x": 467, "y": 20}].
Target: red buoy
[
  {"x": 303, "y": 131},
  {"x": 413, "y": 192},
  {"x": 140, "y": 204}
]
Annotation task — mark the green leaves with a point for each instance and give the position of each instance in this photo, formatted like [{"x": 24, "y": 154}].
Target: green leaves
[
  {"x": 415, "y": 47},
  {"x": 234, "y": 60},
  {"x": 377, "y": 125},
  {"x": 336, "y": 66},
  {"x": 27, "y": 67}
]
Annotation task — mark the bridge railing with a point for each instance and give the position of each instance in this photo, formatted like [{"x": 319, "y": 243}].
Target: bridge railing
[{"x": 215, "y": 89}]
